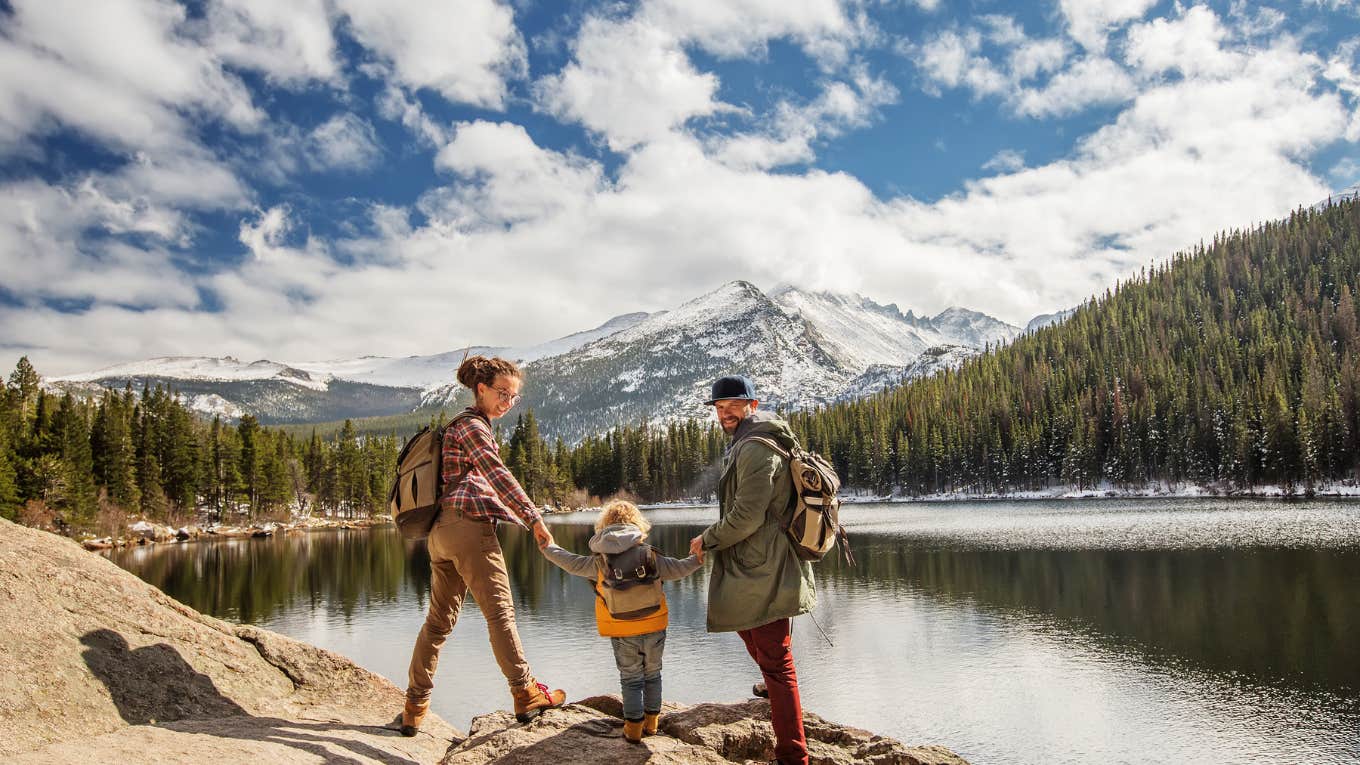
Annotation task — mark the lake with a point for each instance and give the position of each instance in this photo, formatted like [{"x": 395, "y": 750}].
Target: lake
[{"x": 1011, "y": 632}]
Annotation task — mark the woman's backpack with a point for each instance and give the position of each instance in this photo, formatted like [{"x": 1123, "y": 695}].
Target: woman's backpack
[
  {"x": 813, "y": 524},
  {"x": 628, "y": 583},
  {"x": 414, "y": 497}
]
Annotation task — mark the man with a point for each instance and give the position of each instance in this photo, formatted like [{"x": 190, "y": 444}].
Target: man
[{"x": 758, "y": 583}]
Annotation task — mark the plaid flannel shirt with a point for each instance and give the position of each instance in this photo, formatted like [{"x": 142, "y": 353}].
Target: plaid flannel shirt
[{"x": 489, "y": 491}]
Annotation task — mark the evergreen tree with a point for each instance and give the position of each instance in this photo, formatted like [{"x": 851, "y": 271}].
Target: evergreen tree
[
  {"x": 9, "y": 486},
  {"x": 24, "y": 381},
  {"x": 250, "y": 461},
  {"x": 148, "y": 465},
  {"x": 79, "y": 497}
]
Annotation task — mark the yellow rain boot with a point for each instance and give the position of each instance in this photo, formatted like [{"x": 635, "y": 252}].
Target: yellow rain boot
[
  {"x": 650, "y": 722},
  {"x": 632, "y": 730}
]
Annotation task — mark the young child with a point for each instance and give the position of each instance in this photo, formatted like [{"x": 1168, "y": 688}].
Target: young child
[{"x": 628, "y": 575}]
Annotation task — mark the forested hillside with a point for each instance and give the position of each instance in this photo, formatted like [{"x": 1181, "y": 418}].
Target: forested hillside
[
  {"x": 1237, "y": 363},
  {"x": 88, "y": 463}
]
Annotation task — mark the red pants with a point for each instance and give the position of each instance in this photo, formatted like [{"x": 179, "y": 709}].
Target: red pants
[{"x": 769, "y": 644}]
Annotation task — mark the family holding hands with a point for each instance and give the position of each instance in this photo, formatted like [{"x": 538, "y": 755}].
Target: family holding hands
[{"x": 756, "y": 585}]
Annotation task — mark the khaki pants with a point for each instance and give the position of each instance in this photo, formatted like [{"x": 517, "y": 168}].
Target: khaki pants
[{"x": 465, "y": 555}]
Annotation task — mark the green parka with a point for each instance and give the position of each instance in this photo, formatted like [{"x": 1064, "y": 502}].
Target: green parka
[{"x": 756, "y": 577}]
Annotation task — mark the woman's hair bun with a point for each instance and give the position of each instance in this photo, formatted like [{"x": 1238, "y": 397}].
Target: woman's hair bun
[{"x": 480, "y": 369}]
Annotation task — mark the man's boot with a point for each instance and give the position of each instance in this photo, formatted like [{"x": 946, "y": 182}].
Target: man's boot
[
  {"x": 412, "y": 715},
  {"x": 534, "y": 697},
  {"x": 760, "y": 690},
  {"x": 651, "y": 721}
]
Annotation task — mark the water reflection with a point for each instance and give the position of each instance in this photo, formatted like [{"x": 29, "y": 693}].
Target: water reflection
[
  {"x": 251, "y": 580},
  {"x": 1274, "y": 615},
  {"x": 1060, "y": 647}
]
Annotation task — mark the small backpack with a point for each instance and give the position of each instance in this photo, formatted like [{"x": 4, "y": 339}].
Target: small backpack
[
  {"x": 813, "y": 525},
  {"x": 628, "y": 583},
  {"x": 414, "y": 498}
]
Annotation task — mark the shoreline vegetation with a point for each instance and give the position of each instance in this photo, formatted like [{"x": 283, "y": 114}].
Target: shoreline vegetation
[{"x": 145, "y": 532}]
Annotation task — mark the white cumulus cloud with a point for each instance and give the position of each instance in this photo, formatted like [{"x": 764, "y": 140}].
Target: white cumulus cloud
[
  {"x": 343, "y": 142},
  {"x": 291, "y": 43},
  {"x": 1089, "y": 21},
  {"x": 466, "y": 51}
]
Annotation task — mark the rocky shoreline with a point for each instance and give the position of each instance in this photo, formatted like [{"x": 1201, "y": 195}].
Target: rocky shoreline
[
  {"x": 98, "y": 666},
  {"x": 145, "y": 532}
]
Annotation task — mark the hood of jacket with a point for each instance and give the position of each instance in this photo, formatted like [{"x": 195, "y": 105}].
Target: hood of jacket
[
  {"x": 767, "y": 424},
  {"x": 615, "y": 539}
]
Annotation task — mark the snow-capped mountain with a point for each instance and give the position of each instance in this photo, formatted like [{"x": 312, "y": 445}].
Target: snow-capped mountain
[
  {"x": 321, "y": 390},
  {"x": 801, "y": 348},
  {"x": 225, "y": 369},
  {"x": 1349, "y": 192},
  {"x": 661, "y": 368},
  {"x": 881, "y": 377},
  {"x": 859, "y": 332},
  {"x": 1048, "y": 319},
  {"x": 434, "y": 373},
  {"x": 972, "y": 329}
]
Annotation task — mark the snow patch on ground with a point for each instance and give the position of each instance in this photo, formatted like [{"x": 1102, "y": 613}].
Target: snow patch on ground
[
  {"x": 1109, "y": 490},
  {"x": 213, "y": 404}
]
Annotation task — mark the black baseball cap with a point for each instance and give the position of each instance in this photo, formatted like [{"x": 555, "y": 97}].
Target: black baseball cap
[{"x": 732, "y": 386}]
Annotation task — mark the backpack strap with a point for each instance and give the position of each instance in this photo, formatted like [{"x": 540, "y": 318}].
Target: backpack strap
[
  {"x": 768, "y": 442},
  {"x": 467, "y": 414},
  {"x": 785, "y": 455}
]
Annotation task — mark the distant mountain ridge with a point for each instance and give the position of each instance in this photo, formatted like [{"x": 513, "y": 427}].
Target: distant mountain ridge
[
  {"x": 802, "y": 348},
  {"x": 1048, "y": 319}
]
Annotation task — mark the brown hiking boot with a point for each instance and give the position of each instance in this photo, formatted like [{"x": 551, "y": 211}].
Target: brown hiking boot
[
  {"x": 534, "y": 697},
  {"x": 760, "y": 690},
  {"x": 650, "y": 722},
  {"x": 412, "y": 715}
]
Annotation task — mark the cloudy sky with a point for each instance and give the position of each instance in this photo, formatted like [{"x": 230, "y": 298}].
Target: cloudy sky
[{"x": 320, "y": 179}]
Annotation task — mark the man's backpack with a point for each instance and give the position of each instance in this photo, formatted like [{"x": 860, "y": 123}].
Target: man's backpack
[
  {"x": 414, "y": 498},
  {"x": 813, "y": 524},
  {"x": 628, "y": 583}
]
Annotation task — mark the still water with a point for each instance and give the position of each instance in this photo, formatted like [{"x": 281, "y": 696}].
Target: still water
[{"x": 1102, "y": 631}]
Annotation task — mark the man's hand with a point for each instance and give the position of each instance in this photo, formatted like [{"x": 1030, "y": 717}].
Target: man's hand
[
  {"x": 696, "y": 546},
  {"x": 541, "y": 535}
]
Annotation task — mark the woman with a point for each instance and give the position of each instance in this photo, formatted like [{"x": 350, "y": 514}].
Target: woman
[{"x": 465, "y": 555}]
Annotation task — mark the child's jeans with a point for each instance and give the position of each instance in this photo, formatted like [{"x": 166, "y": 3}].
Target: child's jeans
[{"x": 639, "y": 662}]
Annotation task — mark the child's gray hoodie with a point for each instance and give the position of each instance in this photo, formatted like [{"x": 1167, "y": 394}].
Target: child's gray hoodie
[{"x": 616, "y": 539}]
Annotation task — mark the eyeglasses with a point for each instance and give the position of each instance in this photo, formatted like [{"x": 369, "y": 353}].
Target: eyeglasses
[{"x": 508, "y": 397}]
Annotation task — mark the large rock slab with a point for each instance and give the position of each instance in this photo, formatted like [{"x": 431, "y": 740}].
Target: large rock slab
[
  {"x": 98, "y": 666},
  {"x": 590, "y": 731}
]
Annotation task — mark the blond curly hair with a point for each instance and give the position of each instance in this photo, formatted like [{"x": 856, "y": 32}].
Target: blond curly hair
[{"x": 622, "y": 511}]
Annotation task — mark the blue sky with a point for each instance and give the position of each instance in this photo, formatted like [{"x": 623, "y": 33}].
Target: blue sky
[{"x": 297, "y": 180}]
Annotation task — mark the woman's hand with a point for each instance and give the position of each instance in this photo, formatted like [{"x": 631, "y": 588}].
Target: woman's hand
[{"x": 541, "y": 535}]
